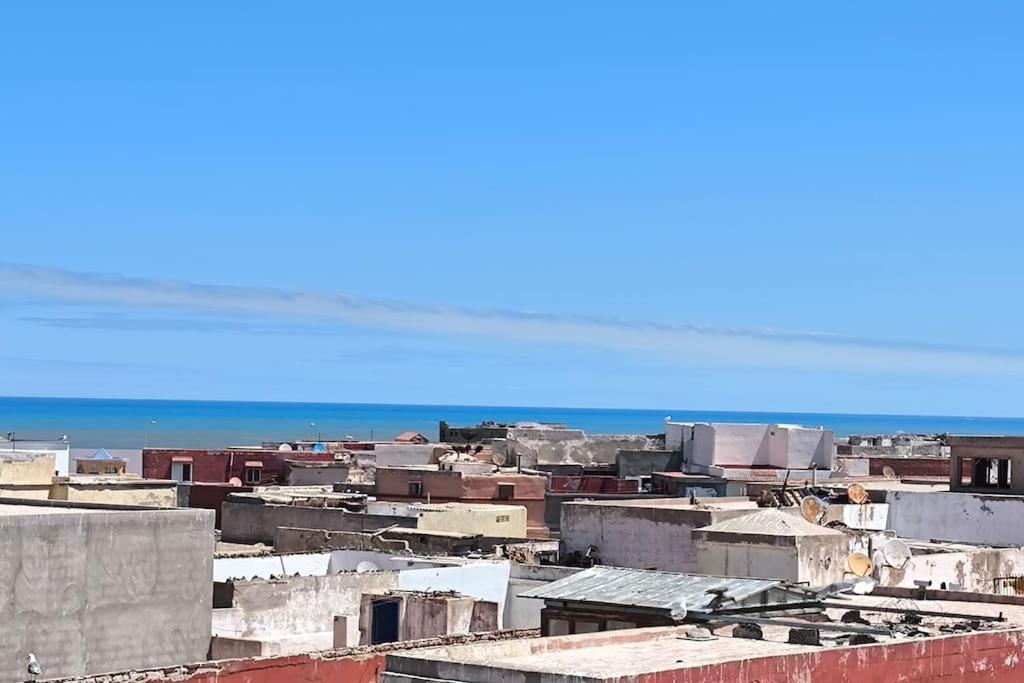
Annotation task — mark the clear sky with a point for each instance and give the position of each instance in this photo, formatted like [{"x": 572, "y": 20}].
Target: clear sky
[{"x": 777, "y": 206}]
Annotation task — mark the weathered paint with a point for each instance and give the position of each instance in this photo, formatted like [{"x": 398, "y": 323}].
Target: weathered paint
[{"x": 989, "y": 657}]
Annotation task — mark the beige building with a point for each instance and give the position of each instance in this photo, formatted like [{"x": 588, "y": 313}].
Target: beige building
[
  {"x": 498, "y": 521},
  {"x": 770, "y": 544}
]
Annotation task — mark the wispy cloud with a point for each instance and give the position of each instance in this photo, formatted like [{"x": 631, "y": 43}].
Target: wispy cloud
[{"x": 319, "y": 310}]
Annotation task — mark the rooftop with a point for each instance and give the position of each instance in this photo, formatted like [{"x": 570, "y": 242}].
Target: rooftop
[
  {"x": 649, "y": 589},
  {"x": 603, "y": 656},
  {"x": 771, "y": 523},
  {"x": 674, "y": 503}
]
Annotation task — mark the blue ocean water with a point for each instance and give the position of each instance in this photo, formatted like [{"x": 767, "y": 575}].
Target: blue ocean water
[{"x": 120, "y": 423}]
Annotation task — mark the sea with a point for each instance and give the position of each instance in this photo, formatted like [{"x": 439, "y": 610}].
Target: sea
[{"x": 124, "y": 423}]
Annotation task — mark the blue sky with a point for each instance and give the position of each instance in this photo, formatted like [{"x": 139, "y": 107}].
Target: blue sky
[{"x": 808, "y": 206}]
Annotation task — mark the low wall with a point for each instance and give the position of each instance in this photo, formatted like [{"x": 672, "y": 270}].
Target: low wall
[
  {"x": 350, "y": 665},
  {"x": 249, "y": 523},
  {"x": 963, "y": 517}
]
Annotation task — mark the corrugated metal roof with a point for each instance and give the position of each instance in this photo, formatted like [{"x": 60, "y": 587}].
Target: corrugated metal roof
[{"x": 646, "y": 588}]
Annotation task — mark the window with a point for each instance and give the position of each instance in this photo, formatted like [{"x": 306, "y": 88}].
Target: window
[
  {"x": 416, "y": 488},
  {"x": 502, "y": 518},
  {"x": 506, "y": 491},
  {"x": 253, "y": 475}
]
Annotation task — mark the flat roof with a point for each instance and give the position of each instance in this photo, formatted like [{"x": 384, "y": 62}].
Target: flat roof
[
  {"x": 606, "y": 655},
  {"x": 672, "y": 503},
  {"x": 11, "y": 506}
]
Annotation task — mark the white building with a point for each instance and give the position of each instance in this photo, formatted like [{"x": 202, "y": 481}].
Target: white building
[{"x": 716, "y": 447}]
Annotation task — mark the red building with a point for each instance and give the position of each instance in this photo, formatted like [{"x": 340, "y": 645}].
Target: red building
[{"x": 251, "y": 467}]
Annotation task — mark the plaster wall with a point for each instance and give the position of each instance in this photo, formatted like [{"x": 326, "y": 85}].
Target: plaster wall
[
  {"x": 974, "y": 571},
  {"x": 19, "y": 468},
  {"x": 816, "y": 561},
  {"x": 316, "y": 476},
  {"x": 94, "y": 590},
  {"x": 249, "y": 523},
  {"x": 640, "y": 537},
  {"x": 484, "y": 580},
  {"x": 964, "y": 517},
  {"x": 156, "y": 495},
  {"x": 391, "y": 454},
  {"x": 571, "y": 446},
  {"x": 282, "y": 611}
]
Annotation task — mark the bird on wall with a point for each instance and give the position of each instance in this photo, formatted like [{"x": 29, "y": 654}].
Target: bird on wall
[{"x": 33, "y": 667}]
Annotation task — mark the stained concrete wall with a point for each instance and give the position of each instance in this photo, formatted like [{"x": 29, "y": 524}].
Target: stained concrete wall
[
  {"x": 26, "y": 469},
  {"x": 973, "y": 570},
  {"x": 645, "y": 535},
  {"x": 431, "y": 616},
  {"x": 571, "y": 446},
  {"x": 630, "y": 463},
  {"x": 163, "y": 495},
  {"x": 90, "y": 591},
  {"x": 248, "y": 523},
  {"x": 815, "y": 560},
  {"x": 298, "y": 612},
  {"x": 962, "y": 517}
]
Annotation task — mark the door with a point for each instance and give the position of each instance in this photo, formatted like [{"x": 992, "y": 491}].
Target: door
[{"x": 385, "y": 622}]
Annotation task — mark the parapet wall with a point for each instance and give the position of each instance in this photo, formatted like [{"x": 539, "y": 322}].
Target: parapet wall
[{"x": 95, "y": 590}]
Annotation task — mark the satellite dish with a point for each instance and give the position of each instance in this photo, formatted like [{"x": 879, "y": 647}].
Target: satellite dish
[
  {"x": 896, "y": 553},
  {"x": 857, "y": 494},
  {"x": 234, "y": 481},
  {"x": 888, "y": 472},
  {"x": 677, "y": 609},
  {"x": 499, "y": 458},
  {"x": 813, "y": 509},
  {"x": 284, "y": 447},
  {"x": 859, "y": 564},
  {"x": 366, "y": 566}
]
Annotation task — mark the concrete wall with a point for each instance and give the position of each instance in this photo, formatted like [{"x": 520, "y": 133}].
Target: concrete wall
[
  {"x": 816, "y": 560},
  {"x": 524, "y": 613},
  {"x": 500, "y": 521},
  {"x": 972, "y": 570},
  {"x": 483, "y": 580},
  {"x": 156, "y": 494},
  {"x": 964, "y": 517},
  {"x": 298, "y": 612},
  {"x": 746, "y": 445},
  {"x": 320, "y": 475},
  {"x": 643, "y": 537},
  {"x": 93, "y": 590},
  {"x": 631, "y": 463},
  {"x": 249, "y": 523},
  {"x": 392, "y": 454},
  {"x": 431, "y": 616},
  {"x": 571, "y": 446},
  {"x": 26, "y": 469}
]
